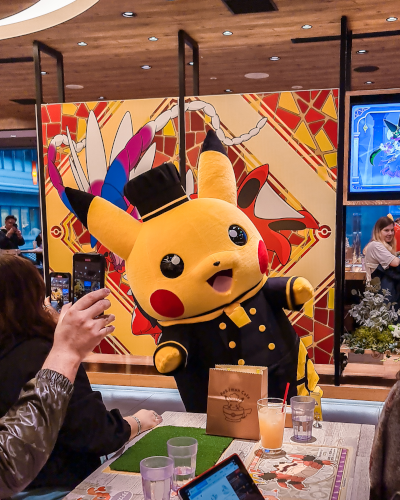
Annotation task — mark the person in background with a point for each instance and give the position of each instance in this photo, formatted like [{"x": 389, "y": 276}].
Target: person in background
[
  {"x": 39, "y": 244},
  {"x": 381, "y": 260},
  {"x": 29, "y": 430},
  {"x": 11, "y": 237},
  {"x": 89, "y": 430}
]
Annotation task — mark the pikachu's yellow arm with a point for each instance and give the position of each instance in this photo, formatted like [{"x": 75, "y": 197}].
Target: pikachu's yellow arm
[
  {"x": 303, "y": 291},
  {"x": 167, "y": 359}
]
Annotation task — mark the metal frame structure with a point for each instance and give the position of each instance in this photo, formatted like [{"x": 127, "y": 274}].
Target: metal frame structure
[
  {"x": 38, "y": 49},
  {"x": 185, "y": 39}
]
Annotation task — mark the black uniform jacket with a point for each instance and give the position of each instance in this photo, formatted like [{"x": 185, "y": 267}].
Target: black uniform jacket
[
  {"x": 11, "y": 243},
  {"x": 268, "y": 340},
  {"x": 89, "y": 430}
]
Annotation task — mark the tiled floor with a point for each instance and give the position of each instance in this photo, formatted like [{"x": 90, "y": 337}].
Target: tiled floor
[{"x": 132, "y": 399}]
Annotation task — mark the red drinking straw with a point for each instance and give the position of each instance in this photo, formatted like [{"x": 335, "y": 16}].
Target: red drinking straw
[{"x": 285, "y": 396}]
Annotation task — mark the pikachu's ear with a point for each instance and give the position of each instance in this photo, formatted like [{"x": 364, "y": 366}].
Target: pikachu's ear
[
  {"x": 113, "y": 227},
  {"x": 216, "y": 178}
]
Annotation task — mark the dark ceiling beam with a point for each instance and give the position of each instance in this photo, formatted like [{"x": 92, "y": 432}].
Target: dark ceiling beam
[
  {"x": 13, "y": 60},
  {"x": 337, "y": 38}
]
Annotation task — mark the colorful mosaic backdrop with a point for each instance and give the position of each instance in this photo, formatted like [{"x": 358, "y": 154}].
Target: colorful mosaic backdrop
[{"x": 287, "y": 141}]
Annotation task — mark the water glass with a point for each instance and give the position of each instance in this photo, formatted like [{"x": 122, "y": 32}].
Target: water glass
[
  {"x": 156, "y": 475},
  {"x": 183, "y": 451},
  {"x": 271, "y": 417},
  {"x": 302, "y": 417}
]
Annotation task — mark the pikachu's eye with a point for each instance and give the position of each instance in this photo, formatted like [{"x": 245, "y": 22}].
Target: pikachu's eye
[
  {"x": 237, "y": 235},
  {"x": 172, "y": 266}
]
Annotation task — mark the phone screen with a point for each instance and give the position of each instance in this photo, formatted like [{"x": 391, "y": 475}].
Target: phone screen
[
  {"x": 88, "y": 276},
  {"x": 59, "y": 291}
]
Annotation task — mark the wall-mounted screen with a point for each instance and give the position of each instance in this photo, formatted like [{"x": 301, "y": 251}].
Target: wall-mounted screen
[{"x": 374, "y": 160}]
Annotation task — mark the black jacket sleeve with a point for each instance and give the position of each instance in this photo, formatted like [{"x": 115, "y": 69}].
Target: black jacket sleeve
[
  {"x": 88, "y": 426},
  {"x": 5, "y": 243},
  {"x": 279, "y": 293},
  {"x": 29, "y": 430},
  {"x": 176, "y": 336}
]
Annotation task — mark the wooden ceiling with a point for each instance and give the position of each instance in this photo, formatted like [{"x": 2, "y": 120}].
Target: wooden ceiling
[{"x": 110, "y": 65}]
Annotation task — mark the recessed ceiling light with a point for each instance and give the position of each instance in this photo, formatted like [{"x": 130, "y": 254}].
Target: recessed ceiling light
[
  {"x": 191, "y": 63},
  {"x": 274, "y": 58},
  {"x": 13, "y": 135},
  {"x": 43, "y": 72},
  {"x": 213, "y": 77},
  {"x": 128, "y": 14},
  {"x": 227, "y": 33},
  {"x": 153, "y": 38},
  {"x": 146, "y": 66},
  {"x": 307, "y": 26},
  {"x": 391, "y": 19},
  {"x": 297, "y": 87},
  {"x": 362, "y": 51},
  {"x": 256, "y": 76},
  {"x": 72, "y": 86},
  {"x": 101, "y": 98},
  {"x": 228, "y": 90},
  {"x": 366, "y": 69},
  {"x": 368, "y": 83},
  {"x": 82, "y": 44}
]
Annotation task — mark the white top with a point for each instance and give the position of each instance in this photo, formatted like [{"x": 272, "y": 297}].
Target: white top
[{"x": 376, "y": 253}]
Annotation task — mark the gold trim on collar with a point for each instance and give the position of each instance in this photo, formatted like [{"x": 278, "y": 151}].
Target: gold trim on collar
[
  {"x": 214, "y": 314},
  {"x": 164, "y": 206}
]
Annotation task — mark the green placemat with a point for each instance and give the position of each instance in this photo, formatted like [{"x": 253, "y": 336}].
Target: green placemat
[{"x": 209, "y": 450}]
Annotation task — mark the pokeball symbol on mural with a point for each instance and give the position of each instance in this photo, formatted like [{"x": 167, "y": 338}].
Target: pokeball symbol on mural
[
  {"x": 324, "y": 231},
  {"x": 56, "y": 231}
]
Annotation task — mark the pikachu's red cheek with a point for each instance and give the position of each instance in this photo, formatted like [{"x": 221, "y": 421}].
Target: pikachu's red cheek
[
  {"x": 262, "y": 257},
  {"x": 167, "y": 304}
]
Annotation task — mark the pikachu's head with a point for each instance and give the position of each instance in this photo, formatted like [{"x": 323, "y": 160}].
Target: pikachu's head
[{"x": 187, "y": 257}]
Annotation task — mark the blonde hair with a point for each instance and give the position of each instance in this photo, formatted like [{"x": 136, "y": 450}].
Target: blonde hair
[{"x": 380, "y": 224}]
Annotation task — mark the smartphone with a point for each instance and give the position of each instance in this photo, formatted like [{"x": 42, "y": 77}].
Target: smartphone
[
  {"x": 229, "y": 480},
  {"x": 60, "y": 294},
  {"x": 88, "y": 274}
]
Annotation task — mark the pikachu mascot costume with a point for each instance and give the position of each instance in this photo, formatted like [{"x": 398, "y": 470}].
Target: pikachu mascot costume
[{"x": 198, "y": 268}]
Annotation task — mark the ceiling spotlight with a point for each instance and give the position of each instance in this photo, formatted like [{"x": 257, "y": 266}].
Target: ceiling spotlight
[
  {"x": 190, "y": 63},
  {"x": 101, "y": 98},
  {"x": 82, "y": 44},
  {"x": 43, "y": 73},
  {"x": 227, "y": 33},
  {"x": 13, "y": 135},
  {"x": 362, "y": 51},
  {"x": 228, "y": 90},
  {"x": 256, "y": 76},
  {"x": 74, "y": 87},
  {"x": 128, "y": 14},
  {"x": 213, "y": 77},
  {"x": 153, "y": 38},
  {"x": 306, "y": 26},
  {"x": 369, "y": 83},
  {"x": 297, "y": 87},
  {"x": 391, "y": 19},
  {"x": 146, "y": 66},
  {"x": 274, "y": 58}
]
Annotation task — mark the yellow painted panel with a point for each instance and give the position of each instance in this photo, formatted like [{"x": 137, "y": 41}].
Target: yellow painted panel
[
  {"x": 207, "y": 119},
  {"x": 331, "y": 159},
  {"x": 92, "y": 105},
  {"x": 81, "y": 129},
  {"x": 323, "y": 173},
  {"x": 309, "y": 308},
  {"x": 303, "y": 135},
  {"x": 169, "y": 129},
  {"x": 307, "y": 340},
  {"x": 68, "y": 109},
  {"x": 323, "y": 142},
  {"x": 287, "y": 101},
  {"x": 329, "y": 108},
  {"x": 331, "y": 298}
]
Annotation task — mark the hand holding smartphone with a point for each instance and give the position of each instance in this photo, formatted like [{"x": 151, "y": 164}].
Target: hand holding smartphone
[{"x": 88, "y": 274}]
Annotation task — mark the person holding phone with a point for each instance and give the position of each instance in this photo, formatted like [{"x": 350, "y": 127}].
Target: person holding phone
[
  {"x": 11, "y": 237},
  {"x": 89, "y": 430},
  {"x": 24, "y": 449}
]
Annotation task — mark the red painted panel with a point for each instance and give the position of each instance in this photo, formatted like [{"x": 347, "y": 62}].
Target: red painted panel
[
  {"x": 321, "y": 315},
  {"x": 288, "y": 118},
  {"x": 271, "y": 101}
]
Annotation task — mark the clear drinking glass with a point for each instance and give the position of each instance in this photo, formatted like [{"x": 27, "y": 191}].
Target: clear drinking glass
[
  {"x": 271, "y": 417},
  {"x": 183, "y": 451},
  {"x": 156, "y": 475},
  {"x": 302, "y": 417}
]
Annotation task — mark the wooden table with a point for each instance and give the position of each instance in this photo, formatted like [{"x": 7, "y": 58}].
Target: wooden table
[{"x": 358, "y": 437}]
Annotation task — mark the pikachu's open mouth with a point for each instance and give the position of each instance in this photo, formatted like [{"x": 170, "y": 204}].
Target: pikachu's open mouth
[{"x": 221, "y": 281}]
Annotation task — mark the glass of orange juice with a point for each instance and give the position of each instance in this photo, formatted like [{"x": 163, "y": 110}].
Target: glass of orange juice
[{"x": 271, "y": 417}]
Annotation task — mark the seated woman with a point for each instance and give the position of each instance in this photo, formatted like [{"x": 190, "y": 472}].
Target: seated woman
[
  {"x": 381, "y": 260},
  {"x": 26, "y": 336}
]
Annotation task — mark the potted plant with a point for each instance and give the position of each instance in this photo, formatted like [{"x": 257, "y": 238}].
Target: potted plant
[{"x": 376, "y": 335}]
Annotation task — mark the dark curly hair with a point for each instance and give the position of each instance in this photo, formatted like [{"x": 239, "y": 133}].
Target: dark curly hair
[{"x": 22, "y": 293}]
